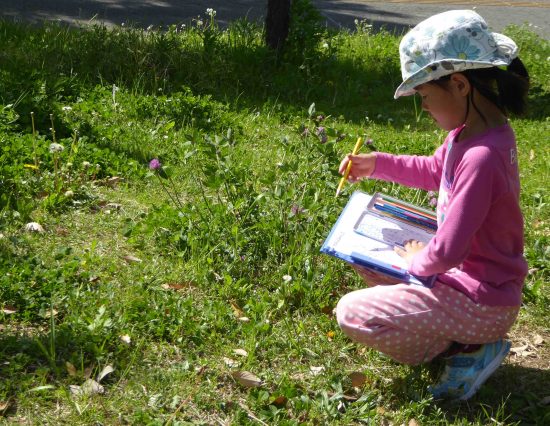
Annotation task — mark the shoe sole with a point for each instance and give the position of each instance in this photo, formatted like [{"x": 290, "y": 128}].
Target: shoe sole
[{"x": 486, "y": 373}]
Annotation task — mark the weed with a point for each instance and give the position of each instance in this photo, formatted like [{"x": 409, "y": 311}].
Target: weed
[{"x": 213, "y": 266}]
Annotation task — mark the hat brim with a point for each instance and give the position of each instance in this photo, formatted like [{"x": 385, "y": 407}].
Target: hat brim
[{"x": 441, "y": 68}]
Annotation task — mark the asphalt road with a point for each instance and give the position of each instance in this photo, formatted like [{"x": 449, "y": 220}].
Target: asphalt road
[{"x": 392, "y": 14}]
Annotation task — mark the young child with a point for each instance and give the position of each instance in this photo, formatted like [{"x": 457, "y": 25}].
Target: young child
[{"x": 456, "y": 65}]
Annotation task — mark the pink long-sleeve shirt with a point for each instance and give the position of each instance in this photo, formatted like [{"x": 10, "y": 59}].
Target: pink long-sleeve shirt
[{"x": 478, "y": 247}]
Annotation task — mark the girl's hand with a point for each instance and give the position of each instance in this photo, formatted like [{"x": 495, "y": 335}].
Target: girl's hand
[
  {"x": 362, "y": 165},
  {"x": 411, "y": 247}
]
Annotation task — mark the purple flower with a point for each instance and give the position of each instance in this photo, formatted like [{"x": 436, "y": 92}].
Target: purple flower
[
  {"x": 369, "y": 142},
  {"x": 305, "y": 133},
  {"x": 154, "y": 164},
  {"x": 433, "y": 202},
  {"x": 322, "y": 134},
  {"x": 296, "y": 210},
  {"x": 431, "y": 194},
  {"x": 320, "y": 118}
]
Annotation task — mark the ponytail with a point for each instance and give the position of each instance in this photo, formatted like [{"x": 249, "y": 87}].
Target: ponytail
[{"x": 512, "y": 84}]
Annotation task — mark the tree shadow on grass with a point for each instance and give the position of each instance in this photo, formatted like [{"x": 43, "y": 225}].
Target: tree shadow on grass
[
  {"x": 234, "y": 70},
  {"x": 514, "y": 394},
  {"x": 28, "y": 360}
]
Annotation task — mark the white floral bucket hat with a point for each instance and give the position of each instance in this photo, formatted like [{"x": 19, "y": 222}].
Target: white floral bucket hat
[{"x": 450, "y": 42}]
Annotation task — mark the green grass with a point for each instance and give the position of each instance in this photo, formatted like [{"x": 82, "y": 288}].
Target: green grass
[{"x": 226, "y": 118}]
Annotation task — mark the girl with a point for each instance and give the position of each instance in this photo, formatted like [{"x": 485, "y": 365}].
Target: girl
[{"x": 454, "y": 63}]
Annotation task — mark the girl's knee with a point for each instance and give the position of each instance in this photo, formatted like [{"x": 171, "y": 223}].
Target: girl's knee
[{"x": 345, "y": 310}]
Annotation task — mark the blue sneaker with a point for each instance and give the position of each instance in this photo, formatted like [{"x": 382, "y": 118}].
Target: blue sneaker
[{"x": 466, "y": 372}]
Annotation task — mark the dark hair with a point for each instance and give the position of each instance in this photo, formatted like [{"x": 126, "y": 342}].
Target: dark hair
[{"x": 507, "y": 89}]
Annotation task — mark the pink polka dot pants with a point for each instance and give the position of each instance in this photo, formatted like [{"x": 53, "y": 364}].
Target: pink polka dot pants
[{"x": 413, "y": 324}]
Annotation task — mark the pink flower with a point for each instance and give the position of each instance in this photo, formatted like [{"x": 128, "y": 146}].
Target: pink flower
[
  {"x": 433, "y": 202},
  {"x": 155, "y": 164}
]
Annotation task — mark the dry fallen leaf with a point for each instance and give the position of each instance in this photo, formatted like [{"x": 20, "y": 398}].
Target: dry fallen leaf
[
  {"x": 244, "y": 319},
  {"x": 236, "y": 310},
  {"x": 240, "y": 352},
  {"x": 4, "y": 405},
  {"x": 519, "y": 349},
  {"x": 538, "y": 340},
  {"x": 71, "y": 369},
  {"x": 112, "y": 181},
  {"x": 49, "y": 313},
  {"x": 280, "y": 401},
  {"x": 88, "y": 372},
  {"x": 357, "y": 379},
  {"x": 7, "y": 309},
  {"x": 413, "y": 422},
  {"x": 380, "y": 411},
  {"x": 316, "y": 370},
  {"x": 108, "y": 369},
  {"x": 61, "y": 231},
  {"x": 89, "y": 387},
  {"x": 172, "y": 286},
  {"x": 327, "y": 310},
  {"x": 129, "y": 258},
  {"x": 247, "y": 379}
]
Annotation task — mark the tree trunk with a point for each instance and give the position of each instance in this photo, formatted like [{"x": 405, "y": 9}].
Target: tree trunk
[{"x": 276, "y": 23}]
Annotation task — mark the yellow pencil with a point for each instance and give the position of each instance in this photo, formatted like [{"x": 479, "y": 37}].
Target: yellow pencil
[{"x": 348, "y": 168}]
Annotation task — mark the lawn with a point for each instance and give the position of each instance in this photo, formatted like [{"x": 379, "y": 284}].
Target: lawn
[{"x": 196, "y": 293}]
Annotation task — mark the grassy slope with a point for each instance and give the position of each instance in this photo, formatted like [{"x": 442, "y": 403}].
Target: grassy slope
[{"x": 257, "y": 200}]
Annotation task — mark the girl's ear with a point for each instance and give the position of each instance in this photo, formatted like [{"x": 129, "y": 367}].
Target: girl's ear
[{"x": 461, "y": 83}]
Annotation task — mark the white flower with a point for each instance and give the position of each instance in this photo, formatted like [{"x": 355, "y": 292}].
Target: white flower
[
  {"x": 126, "y": 339},
  {"x": 199, "y": 23},
  {"x": 69, "y": 194},
  {"x": 210, "y": 12},
  {"x": 55, "y": 147},
  {"x": 287, "y": 278},
  {"x": 34, "y": 227},
  {"x": 66, "y": 108},
  {"x": 86, "y": 164}
]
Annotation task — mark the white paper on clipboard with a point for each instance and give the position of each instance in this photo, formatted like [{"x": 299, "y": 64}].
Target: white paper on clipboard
[{"x": 394, "y": 233}]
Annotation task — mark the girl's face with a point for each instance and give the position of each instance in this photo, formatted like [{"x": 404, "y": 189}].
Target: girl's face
[{"x": 445, "y": 103}]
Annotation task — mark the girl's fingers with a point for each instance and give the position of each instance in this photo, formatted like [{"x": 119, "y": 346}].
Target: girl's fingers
[
  {"x": 400, "y": 251},
  {"x": 343, "y": 165}
]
